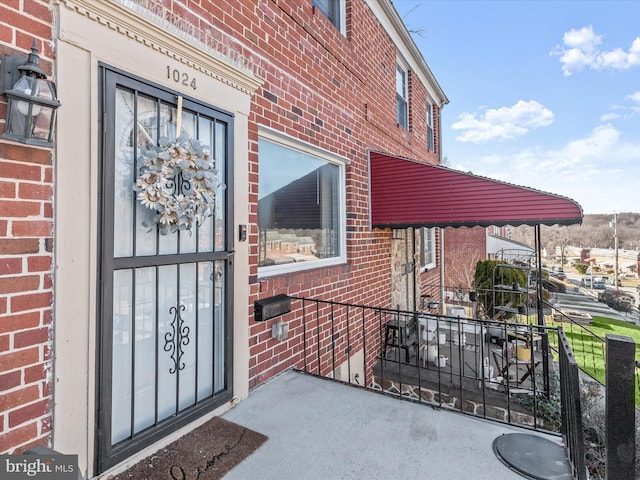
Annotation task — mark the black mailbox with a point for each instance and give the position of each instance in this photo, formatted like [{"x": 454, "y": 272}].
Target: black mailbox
[{"x": 271, "y": 307}]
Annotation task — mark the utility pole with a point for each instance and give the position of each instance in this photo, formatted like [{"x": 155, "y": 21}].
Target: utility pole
[{"x": 615, "y": 243}]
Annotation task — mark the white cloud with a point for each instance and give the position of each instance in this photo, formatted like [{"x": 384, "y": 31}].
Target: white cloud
[
  {"x": 599, "y": 171},
  {"x": 623, "y": 112},
  {"x": 504, "y": 123},
  {"x": 584, "y": 39},
  {"x": 607, "y": 117},
  {"x": 581, "y": 49}
]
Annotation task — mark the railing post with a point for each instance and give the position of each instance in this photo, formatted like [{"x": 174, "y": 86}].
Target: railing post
[
  {"x": 572, "y": 426},
  {"x": 620, "y": 408}
]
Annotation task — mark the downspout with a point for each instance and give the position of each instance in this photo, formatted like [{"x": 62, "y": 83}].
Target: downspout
[
  {"x": 439, "y": 134},
  {"x": 441, "y": 269},
  {"x": 417, "y": 289},
  {"x": 408, "y": 303},
  {"x": 441, "y": 230}
]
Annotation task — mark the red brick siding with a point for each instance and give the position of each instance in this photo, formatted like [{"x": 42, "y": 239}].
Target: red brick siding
[
  {"x": 338, "y": 93},
  {"x": 333, "y": 91},
  {"x": 26, "y": 225},
  {"x": 464, "y": 247},
  {"x": 330, "y": 90}
]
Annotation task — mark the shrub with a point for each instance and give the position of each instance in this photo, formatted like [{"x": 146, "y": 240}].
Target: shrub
[
  {"x": 581, "y": 268},
  {"x": 490, "y": 273},
  {"x": 547, "y": 407},
  {"x": 593, "y": 418},
  {"x": 620, "y": 301}
]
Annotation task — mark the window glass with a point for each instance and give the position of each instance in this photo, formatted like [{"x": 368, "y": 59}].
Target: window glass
[
  {"x": 401, "y": 96},
  {"x": 331, "y": 9},
  {"x": 428, "y": 248},
  {"x": 300, "y": 209},
  {"x": 430, "y": 139}
]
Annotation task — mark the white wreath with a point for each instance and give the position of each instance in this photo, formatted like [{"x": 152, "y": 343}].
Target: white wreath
[{"x": 178, "y": 181}]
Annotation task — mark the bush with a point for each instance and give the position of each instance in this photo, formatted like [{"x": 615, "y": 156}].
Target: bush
[
  {"x": 593, "y": 418},
  {"x": 620, "y": 301},
  {"x": 488, "y": 273},
  {"x": 546, "y": 407},
  {"x": 581, "y": 268}
]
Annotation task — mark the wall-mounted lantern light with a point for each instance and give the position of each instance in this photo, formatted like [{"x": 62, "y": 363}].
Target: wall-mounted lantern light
[
  {"x": 31, "y": 99},
  {"x": 429, "y": 303}
]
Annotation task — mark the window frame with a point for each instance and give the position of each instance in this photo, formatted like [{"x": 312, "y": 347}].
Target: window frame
[
  {"x": 340, "y": 19},
  {"x": 431, "y": 144},
  {"x": 428, "y": 235},
  {"x": 289, "y": 142},
  {"x": 402, "y": 96}
]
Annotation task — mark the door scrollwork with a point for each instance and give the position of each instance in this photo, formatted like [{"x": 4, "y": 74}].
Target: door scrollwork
[{"x": 177, "y": 338}]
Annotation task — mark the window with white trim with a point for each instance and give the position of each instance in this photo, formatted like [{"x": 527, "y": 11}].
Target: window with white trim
[
  {"x": 427, "y": 248},
  {"x": 430, "y": 136},
  {"x": 334, "y": 10},
  {"x": 402, "y": 103},
  {"x": 301, "y": 205}
]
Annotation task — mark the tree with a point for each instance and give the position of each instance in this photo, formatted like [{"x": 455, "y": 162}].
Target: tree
[
  {"x": 559, "y": 237},
  {"x": 489, "y": 274},
  {"x": 594, "y": 231}
]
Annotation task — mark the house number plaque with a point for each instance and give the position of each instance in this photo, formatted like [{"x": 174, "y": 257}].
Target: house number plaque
[{"x": 180, "y": 77}]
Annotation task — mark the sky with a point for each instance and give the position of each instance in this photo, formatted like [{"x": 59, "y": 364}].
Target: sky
[{"x": 543, "y": 94}]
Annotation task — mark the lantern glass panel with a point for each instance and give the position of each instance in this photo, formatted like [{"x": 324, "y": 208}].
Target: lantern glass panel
[
  {"x": 42, "y": 128},
  {"x": 17, "y": 121}
]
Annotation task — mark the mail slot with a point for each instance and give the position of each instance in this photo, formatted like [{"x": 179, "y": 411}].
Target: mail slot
[{"x": 271, "y": 307}]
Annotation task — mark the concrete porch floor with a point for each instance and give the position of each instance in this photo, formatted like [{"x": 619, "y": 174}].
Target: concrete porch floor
[{"x": 320, "y": 429}]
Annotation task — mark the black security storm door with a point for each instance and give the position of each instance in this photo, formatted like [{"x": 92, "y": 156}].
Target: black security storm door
[{"x": 164, "y": 330}]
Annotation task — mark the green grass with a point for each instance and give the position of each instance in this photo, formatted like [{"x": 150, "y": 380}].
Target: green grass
[{"x": 589, "y": 351}]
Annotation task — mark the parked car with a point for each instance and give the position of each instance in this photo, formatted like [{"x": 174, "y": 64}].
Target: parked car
[
  {"x": 589, "y": 281},
  {"x": 611, "y": 281},
  {"x": 559, "y": 273}
]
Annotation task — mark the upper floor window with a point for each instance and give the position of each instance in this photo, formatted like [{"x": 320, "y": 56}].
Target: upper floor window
[
  {"x": 402, "y": 110},
  {"x": 301, "y": 202},
  {"x": 334, "y": 10},
  {"x": 427, "y": 248},
  {"x": 430, "y": 136}
]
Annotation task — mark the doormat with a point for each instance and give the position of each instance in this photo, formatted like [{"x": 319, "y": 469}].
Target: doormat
[{"x": 206, "y": 453}]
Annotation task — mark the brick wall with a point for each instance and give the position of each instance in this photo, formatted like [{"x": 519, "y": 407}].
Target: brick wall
[
  {"x": 338, "y": 93},
  {"x": 26, "y": 254},
  {"x": 464, "y": 247},
  {"x": 333, "y": 91}
]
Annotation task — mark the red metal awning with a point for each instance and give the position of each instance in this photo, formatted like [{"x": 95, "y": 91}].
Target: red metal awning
[{"x": 406, "y": 193}]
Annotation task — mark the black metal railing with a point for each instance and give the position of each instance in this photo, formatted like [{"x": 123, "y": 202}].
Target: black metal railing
[
  {"x": 491, "y": 369},
  {"x": 572, "y": 428},
  {"x": 587, "y": 346}
]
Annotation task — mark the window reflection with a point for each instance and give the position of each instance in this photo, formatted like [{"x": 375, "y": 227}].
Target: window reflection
[{"x": 298, "y": 206}]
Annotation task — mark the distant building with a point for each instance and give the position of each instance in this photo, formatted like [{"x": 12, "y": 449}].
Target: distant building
[
  {"x": 280, "y": 248},
  {"x": 604, "y": 259}
]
